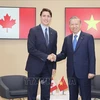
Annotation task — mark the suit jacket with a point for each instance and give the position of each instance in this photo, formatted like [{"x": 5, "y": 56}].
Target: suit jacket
[
  {"x": 81, "y": 61},
  {"x": 38, "y": 50}
]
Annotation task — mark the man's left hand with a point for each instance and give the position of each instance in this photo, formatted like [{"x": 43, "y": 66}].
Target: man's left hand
[{"x": 90, "y": 75}]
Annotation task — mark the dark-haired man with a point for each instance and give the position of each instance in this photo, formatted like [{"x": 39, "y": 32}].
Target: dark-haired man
[{"x": 42, "y": 41}]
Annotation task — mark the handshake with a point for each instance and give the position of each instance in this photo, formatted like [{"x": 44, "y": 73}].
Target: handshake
[{"x": 51, "y": 57}]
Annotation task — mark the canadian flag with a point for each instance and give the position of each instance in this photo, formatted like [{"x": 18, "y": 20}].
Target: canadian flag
[
  {"x": 16, "y": 22},
  {"x": 53, "y": 85}
]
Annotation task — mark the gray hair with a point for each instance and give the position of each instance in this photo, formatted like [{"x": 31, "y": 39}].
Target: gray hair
[{"x": 74, "y": 17}]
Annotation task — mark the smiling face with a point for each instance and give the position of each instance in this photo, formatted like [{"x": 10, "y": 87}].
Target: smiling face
[
  {"x": 45, "y": 18},
  {"x": 75, "y": 25}
]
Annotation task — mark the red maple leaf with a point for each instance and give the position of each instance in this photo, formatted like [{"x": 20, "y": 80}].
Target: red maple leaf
[{"x": 7, "y": 23}]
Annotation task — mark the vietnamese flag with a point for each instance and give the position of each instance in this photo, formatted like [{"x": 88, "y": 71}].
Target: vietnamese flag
[
  {"x": 16, "y": 22},
  {"x": 62, "y": 84},
  {"x": 90, "y": 19}
]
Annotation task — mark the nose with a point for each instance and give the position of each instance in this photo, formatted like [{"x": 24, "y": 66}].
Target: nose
[{"x": 74, "y": 25}]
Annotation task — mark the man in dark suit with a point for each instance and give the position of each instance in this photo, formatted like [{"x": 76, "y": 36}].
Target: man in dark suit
[
  {"x": 42, "y": 41},
  {"x": 79, "y": 50}
]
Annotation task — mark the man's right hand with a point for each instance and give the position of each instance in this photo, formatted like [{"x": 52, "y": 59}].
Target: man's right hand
[{"x": 51, "y": 57}]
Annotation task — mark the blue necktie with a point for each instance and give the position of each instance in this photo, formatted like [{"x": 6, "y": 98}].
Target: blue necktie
[
  {"x": 74, "y": 42},
  {"x": 46, "y": 37}
]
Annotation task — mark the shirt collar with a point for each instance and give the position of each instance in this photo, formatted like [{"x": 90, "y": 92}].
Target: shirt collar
[
  {"x": 43, "y": 27},
  {"x": 78, "y": 34}
]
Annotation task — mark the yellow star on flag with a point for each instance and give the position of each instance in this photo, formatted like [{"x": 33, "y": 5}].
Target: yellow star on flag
[
  {"x": 61, "y": 83},
  {"x": 92, "y": 23}
]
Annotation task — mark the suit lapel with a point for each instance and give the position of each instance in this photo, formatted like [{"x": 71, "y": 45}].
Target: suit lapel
[
  {"x": 70, "y": 41},
  {"x": 79, "y": 41},
  {"x": 50, "y": 36}
]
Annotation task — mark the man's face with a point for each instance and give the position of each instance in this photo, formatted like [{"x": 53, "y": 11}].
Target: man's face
[
  {"x": 45, "y": 18},
  {"x": 75, "y": 25}
]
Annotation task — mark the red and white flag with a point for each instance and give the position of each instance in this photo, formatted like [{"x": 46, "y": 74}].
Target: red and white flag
[
  {"x": 16, "y": 22},
  {"x": 53, "y": 85}
]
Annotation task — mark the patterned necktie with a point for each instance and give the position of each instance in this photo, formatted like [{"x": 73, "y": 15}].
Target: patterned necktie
[
  {"x": 46, "y": 37},
  {"x": 74, "y": 42}
]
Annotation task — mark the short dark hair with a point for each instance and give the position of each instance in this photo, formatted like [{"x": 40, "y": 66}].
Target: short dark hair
[{"x": 46, "y": 9}]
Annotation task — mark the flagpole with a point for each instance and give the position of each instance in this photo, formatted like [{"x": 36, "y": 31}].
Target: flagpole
[{"x": 63, "y": 92}]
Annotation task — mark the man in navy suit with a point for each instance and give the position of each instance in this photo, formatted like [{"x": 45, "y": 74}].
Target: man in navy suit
[
  {"x": 42, "y": 41},
  {"x": 79, "y": 50}
]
